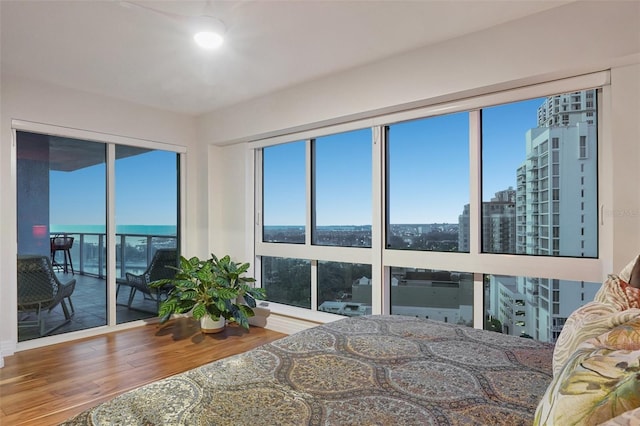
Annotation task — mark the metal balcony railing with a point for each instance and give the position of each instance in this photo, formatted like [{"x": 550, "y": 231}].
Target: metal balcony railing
[{"x": 133, "y": 252}]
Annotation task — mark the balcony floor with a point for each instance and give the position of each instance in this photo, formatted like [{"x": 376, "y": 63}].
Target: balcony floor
[{"x": 89, "y": 300}]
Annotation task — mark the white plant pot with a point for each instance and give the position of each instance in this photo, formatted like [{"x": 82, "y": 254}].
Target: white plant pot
[{"x": 209, "y": 325}]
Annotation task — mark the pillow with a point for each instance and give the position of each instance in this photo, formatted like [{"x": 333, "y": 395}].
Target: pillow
[
  {"x": 600, "y": 380},
  {"x": 625, "y": 274},
  {"x": 587, "y": 322}
]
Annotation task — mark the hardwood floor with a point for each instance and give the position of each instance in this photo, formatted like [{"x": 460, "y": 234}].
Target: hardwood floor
[{"x": 45, "y": 386}]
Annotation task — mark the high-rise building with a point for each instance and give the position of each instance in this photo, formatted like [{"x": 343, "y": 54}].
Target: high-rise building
[
  {"x": 556, "y": 184},
  {"x": 555, "y": 215}
]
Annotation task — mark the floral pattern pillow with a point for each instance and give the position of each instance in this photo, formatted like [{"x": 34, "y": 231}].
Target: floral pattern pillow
[{"x": 599, "y": 382}]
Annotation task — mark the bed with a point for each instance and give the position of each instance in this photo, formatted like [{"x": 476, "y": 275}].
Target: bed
[
  {"x": 382, "y": 370},
  {"x": 395, "y": 370}
]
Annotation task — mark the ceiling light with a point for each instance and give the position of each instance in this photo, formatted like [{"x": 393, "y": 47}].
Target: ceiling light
[
  {"x": 208, "y": 39},
  {"x": 209, "y": 32}
]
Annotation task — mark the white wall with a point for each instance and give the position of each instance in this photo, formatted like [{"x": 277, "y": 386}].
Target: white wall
[
  {"x": 625, "y": 193},
  {"x": 570, "y": 40},
  {"x": 575, "y": 39},
  {"x": 43, "y": 103},
  {"x": 229, "y": 203}
]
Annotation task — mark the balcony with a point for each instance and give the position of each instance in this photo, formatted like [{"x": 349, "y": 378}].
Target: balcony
[
  {"x": 88, "y": 256},
  {"x": 133, "y": 252}
]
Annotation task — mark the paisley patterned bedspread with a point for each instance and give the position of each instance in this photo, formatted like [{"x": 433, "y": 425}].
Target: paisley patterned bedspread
[{"x": 371, "y": 370}]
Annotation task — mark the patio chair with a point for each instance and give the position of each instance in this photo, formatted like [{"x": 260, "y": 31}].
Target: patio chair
[
  {"x": 38, "y": 289},
  {"x": 157, "y": 269}
]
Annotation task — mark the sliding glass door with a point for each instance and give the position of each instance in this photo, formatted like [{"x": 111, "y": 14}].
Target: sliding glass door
[
  {"x": 146, "y": 227},
  {"x": 63, "y": 234}
]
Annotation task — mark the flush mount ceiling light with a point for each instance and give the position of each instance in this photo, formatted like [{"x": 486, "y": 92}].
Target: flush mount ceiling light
[{"x": 208, "y": 31}]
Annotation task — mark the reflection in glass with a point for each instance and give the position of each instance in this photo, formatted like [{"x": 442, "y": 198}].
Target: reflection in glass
[
  {"x": 342, "y": 189},
  {"x": 539, "y": 174},
  {"x": 428, "y": 183},
  {"x": 344, "y": 288},
  {"x": 287, "y": 281},
  {"x": 533, "y": 307},
  {"x": 438, "y": 295},
  {"x": 61, "y": 187},
  {"x": 284, "y": 193}
]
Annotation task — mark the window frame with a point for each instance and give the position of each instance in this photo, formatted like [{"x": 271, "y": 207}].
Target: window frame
[{"x": 476, "y": 262}]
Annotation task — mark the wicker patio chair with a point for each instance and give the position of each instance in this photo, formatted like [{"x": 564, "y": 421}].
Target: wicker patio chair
[
  {"x": 157, "y": 269},
  {"x": 39, "y": 288}
]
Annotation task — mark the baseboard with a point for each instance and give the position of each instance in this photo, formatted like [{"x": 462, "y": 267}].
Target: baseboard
[{"x": 7, "y": 348}]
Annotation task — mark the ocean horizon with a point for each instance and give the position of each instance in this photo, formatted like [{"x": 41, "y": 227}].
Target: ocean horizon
[{"x": 168, "y": 230}]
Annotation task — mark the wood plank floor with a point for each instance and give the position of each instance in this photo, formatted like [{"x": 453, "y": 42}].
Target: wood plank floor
[{"x": 46, "y": 386}]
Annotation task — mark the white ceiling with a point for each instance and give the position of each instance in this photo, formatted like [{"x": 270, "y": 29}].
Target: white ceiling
[{"x": 118, "y": 50}]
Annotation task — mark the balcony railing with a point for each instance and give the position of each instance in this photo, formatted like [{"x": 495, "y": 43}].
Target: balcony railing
[{"x": 133, "y": 252}]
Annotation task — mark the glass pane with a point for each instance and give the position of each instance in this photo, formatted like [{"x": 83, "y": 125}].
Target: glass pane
[
  {"x": 344, "y": 288},
  {"x": 533, "y": 307},
  {"x": 284, "y": 193},
  {"x": 287, "y": 281},
  {"x": 438, "y": 295},
  {"x": 539, "y": 175},
  {"x": 61, "y": 204},
  {"x": 146, "y": 222},
  {"x": 342, "y": 189},
  {"x": 428, "y": 184}
]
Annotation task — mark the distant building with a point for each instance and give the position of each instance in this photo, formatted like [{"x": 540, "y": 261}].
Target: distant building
[{"x": 498, "y": 224}]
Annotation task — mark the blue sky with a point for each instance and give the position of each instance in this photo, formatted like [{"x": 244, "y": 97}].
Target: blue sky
[
  {"x": 428, "y": 169},
  {"x": 428, "y": 172},
  {"x": 145, "y": 190}
]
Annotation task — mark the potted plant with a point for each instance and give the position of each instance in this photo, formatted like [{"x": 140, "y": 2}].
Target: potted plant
[{"x": 212, "y": 290}]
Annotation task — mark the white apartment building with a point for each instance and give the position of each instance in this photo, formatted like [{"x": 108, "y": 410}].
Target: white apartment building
[
  {"x": 556, "y": 215},
  {"x": 556, "y": 194}
]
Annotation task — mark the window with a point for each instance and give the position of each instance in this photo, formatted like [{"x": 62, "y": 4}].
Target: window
[
  {"x": 284, "y": 194},
  {"x": 510, "y": 298},
  {"x": 342, "y": 189},
  {"x": 287, "y": 281},
  {"x": 523, "y": 168},
  {"x": 583, "y": 146},
  {"x": 437, "y": 295},
  {"x": 394, "y": 212},
  {"x": 344, "y": 288},
  {"x": 428, "y": 183}
]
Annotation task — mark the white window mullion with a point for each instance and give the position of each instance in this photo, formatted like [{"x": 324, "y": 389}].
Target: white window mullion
[
  {"x": 111, "y": 235},
  {"x": 314, "y": 285},
  {"x": 475, "y": 211},
  {"x": 309, "y": 193},
  {"x": 478, "y": 300},
  {"x": 257, "y": 217},
  {"x": 379, "y": 285},
  {"x": 475, "y": 182}
]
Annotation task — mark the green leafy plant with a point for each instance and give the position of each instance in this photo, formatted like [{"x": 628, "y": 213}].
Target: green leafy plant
[{"x": 214, "y": 287}]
